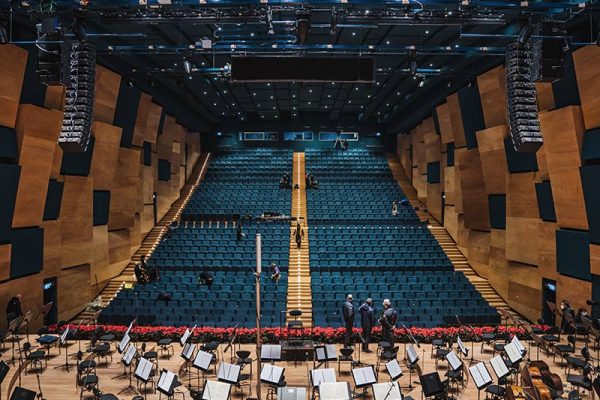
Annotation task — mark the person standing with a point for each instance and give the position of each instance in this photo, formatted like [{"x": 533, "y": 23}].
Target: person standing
[
  {"x": 367, "y": 320},
  {"x": 566, "y": 308},
  {"x": 388, "y": 322},
  {"x": 239, "y": 234},
  {"x": 348, "y": 314},
  {"x": 13, "y": 308},
  {"x": 394, "y": 208},
  {"x": 299, "y": 234}
]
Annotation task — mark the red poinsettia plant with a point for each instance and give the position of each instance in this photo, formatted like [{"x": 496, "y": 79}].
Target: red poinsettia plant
[{"x": 274, "y": 335}]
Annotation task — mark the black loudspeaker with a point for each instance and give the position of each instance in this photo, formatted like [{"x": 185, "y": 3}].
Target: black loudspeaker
[
  {"x": 3, "y": 370},
  {"x": 23, "y": 394},
  {"x": 553, "y": 56},
  {"x": 432, "y": 384}
]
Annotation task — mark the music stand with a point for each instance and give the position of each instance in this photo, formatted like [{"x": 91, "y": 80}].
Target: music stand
[
  {"x": 319, "y": 376},
  {"x": 513, "y": 353},
  {"x": 122, "y": 346},
  {"x": 324, "y": 354},
  {"x": 412, "y": 358},
  {"x": 43, "y": 311},
  {"x": 394, "y": 370},
  {"x": 291, "y": 393},
  {"x": 4, "y": 368},
  {"x": 499, "y": 368},
  {"x": 62, "y": 341},
  {"x": 432, "y": 385},
  {"x": 229, "y": 373},
  {"x": 202, "y": 362},
  {"x": 23, "y": 394},
  {"x": 515, "y": 340},
  {"x": 13, "y": 328},
  {"x": 216, "y": 390},
  {"x": 187, "y": 353},
  {"x": 363, "y": 379},
  {"x": 540, "y": 344},
  {"x": 26, "y": 320},
  {"x": 481, "y": 377},
  {"x": 166, "y": 383},
  {"x": 142, "y": 373},
  {"x": 461, "y": 346},
  {"x": 387, "y": 391},
  {"x": 127, "y": 360},
  {"x": 186, "y": 335},
  {"x": 335, "y": 391},
  {"x": 270, "y": 352},
  {"x": 271, "y": 374}
]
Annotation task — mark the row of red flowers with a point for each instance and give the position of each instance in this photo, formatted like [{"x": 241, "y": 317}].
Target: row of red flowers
[{"x": 274, "y": 335}]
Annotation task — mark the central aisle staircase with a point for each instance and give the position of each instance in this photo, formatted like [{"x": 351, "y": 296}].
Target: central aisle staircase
[{"x": 299, "y": 291}]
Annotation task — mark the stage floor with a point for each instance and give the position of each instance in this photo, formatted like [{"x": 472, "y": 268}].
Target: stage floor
[{"x": 58, "y": 384}]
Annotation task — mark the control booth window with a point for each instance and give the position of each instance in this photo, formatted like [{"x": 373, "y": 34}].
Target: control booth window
[
  {"x": 298, "y": 136},
  {"x": 332, "y": 136},
  {"x": 259, "y": 136}
]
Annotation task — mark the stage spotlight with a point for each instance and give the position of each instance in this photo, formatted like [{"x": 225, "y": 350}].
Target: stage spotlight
[
  {"x": 524, "y": 34},
  {"x": 3, "y": 34},
  {"x": 302, "y": 26},
  {"x": 271, "y": 30},
  {"x": 449, "y": 83},
  {"x": 188, "y": 65},
  {"x": 413, "y": 62},
  {"x": 130, "y": 82},
  {"x": 421, "y": 81},
  {"x": 79, "y": 29},
  {"x": 469, "y": 83},
  {"x": 334, "y": 21},
  {"x": 566, "y": 47}
]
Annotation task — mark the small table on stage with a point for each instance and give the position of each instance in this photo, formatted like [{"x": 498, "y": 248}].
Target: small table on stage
[{"x": 297, "y": 350}]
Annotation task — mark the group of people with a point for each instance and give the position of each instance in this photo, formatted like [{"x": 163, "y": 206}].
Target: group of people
[
  {"x": 311, "y": 181},
  {"x": 342, "y": 142},
  {"x": 145, "y": 274},
  {"x": 388, "y": 320},
  {"x": 285, "y": 182}
]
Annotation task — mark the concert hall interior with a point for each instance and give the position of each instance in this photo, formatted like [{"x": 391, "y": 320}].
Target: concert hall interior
[{"x": 299, "y": 199}]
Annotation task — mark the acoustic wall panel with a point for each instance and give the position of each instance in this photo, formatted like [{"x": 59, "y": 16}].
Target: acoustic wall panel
[
  {"x": 164, "y": 170},
  {"x": 471, "y": 112},
  {"x": 126, "y": 112},
  {"x": 545, "y": 96},
  {"x": 9, "y": 181},
  {"x": 586, "y": 61},
  {"x": 101, "y": 207},
  {"x": 522, "y": 219},
  {"x": 566, "y": 92},
  {"x": 493, "y": 158},
  {"x": 433, "y": 172},
  {"x": 474, "y": 198},
  {"x": 591, "y": 145},
  {"x": 107, "y": 139},
  {"x": 519, "y": 161},
  {"x": 33, "y": 91},
  {"x": 78, "y": 164},
  {"x": 436, "y": 122},
  {"x": 107, "y": 91},
  {"x": 573, "y": 254},
  {"x": 444, "y": 122},
  {"x": 13, "y": 61},
  {"x": 27, "y": 252},
  {"x": 147, "y": 148},
  {"x": 590, "y": 179},
  {"x": 8, "y": 145},
  {"x": 458, "y": 131},
  {"x": 450, "y": 155},
  {"x": 53, "y": 200},
  {"x": 492, "y": 90},
  {"x": 545, "y": 201},
  {"x": 497, "y": 204}
]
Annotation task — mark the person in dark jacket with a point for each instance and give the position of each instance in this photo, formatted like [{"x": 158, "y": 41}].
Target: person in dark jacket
[
  {"x": 299, "y": 234},
  {"x": 348, "y": 314},
  {"x": 367, "y": 320},
  {"x": 13, "y": 309},
  {"x": 206, "y": 278},
  {"x": 388, "y": 322},
  {"x": 239, "y": 234},
  {"x": 565, "y": 308}
]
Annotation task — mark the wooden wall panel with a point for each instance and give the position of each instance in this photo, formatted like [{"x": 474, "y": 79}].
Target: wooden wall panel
[
  {"x": 586, "y": 61},
  {"x": 432, "y": 147},
  {"x": 141, "y": 121},
  {"x": 55, "y": 97},
  {"x": 154, "y": 114},
  {"x": 53, "y": 260},
  {"x": 458, "y": 199},
  {"x": 418, "y": 146},
  {"x": 5, "y": 261},
  {"x": 107, "y": 91},
  {"x": 545, "y": 96},
  {"x": 434, "y": 200},
  {"x": 492, "y": 91},
  {"x": 451, "y": 221},
  {"x": 76, "y": 213},
  {"x": 124, "y": 200},
  {"x": 37, "y": 131},
  {"x": 547, "y": 249},
  {"x": 522, "y": 218},
  {"x": 542, "y": 173},
  {"x": 101, "y": 269},
  {"x": 13, "y": 60},
  {"x": 56, "y": 162},
  {"x": 474, "y": 198},
  {"x": 106, "y": 154},
  {"x": 595, "y": 259},
  {"x": 493, "y": 158},
  {"x": 443, "y": 114},
  {"x": 563, "y": 133},
  {"x": 479, "y": 252},
  {"x": 527, "y": 299},
  {"x": 449, "y": 185},
  {"x": 420, "y": 183},
  {"x": 458, "y": 131},
  {"x": 72, "y": 301}
]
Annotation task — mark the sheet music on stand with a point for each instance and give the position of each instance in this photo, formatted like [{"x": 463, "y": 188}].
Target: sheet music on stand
[
  {"x": 334, "y": 391},
  {"x": 499, "y": 367},
  {"x": 188, "y": 351},
  {"x": 271, "y": 374},
  {"x": 387, "y": 391},
  {"x": 128, "y": 355},
  {"x": 513, "y": 353},
  {"x": 186, "y": 335},
  {"x": 215, "y": 390},
  {"x": 229, "y": 373},
  {"x": 364, "y": 376},
  {"x": 326, "y": 352},
  {"x": 411, "y": 354},
  {"x": 462, "y": 347},
  {"x": 123, "y": 343},
  {"x": 393, "y": 368},
  {"x": 480, "y": 375},
  {"x": 453, "y": 360},
  {"x": 319, "y": 376},
  {"x": 130, "y": 327},
  {"x": 166, "y": 382},
  {"x": 291, "y": 393},
  {"x": 64, "y": 336},
  {"x": 143, "y": 369},
  {"x": 515, "y": 340},
  {"x": 270, "y": 352},
  {"x": 203, "y": 360}
]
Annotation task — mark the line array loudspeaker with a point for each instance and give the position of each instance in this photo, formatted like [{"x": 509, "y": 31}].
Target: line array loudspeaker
[{"x": 522, "y": 99}]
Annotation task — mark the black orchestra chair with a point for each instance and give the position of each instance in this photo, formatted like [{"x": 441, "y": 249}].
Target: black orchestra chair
[
  {"x": 46, "y": 340},
  {"x": 583, "y": 381},
  {"x": 84, "y": 367},
  {"x": 577, "y": 363},
  {"x": 34, "y": 357},
  {"x": 150, "y": 355},
  {"x": 497, "y": 392},
  {"x": 88, "y": 383},
  {"x": 387, "y": 355},
  {"x": 488, "y": 338},
  {"x": 295, "y": 323},
  {"x": 106, "y": 338},
  {"x": 242, "y": 358},
  {"x": 500, "y": 341},
  {"x": 564, "y": 350},
  {"x": 381, "y": 347},
  {"x": 345, "y": 357},
  {"x": 101, "y": 350},
  {"x": 439, "y": 351},
  {"x": 165, "y": 345}
]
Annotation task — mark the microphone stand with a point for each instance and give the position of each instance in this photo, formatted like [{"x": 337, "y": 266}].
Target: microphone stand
[
  {"x": 472, "y": 360},
  {"x": 410, "y": 366},
  {"x": 40, "y": 395}
]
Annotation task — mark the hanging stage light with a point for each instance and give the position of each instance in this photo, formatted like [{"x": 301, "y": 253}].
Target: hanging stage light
[
  {"x": 188, "y": 64},
  {"x": 421, "y": 80},
  {"x": 334, "y": 22},
  {"x": 413, "y": 63},
  {"x": 302, "y": 26},
  {"x": 271, "y": 30},
  {"x": 525, "y": 33},
  {"x": 79, "y": 29},
  {"x": 3, "y": 34}
]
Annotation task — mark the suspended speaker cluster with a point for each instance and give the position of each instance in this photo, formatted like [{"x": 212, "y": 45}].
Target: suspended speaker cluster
[
  {"x": 78, "y": 76},
  {"x": 522, "y": 98}
]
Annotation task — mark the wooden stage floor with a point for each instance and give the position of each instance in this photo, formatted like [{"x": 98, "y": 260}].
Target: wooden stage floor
[{"x": 58, "y": 384}]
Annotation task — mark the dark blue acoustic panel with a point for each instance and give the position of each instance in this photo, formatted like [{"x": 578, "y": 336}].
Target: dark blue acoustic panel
[
  {"x": 471, "y": 112},
  {"x": 573, "y": 254},
  {"x": 436, "y": 121},
  {"x": 8, "y": 145},
  {"x": 9, "y": 181},
  {"x": 433, "y": 172},
  {"x": 33, "y": 92},
  {"x": 161, "y": 122},
  {"x": 497, "y": 204},
  {"x": 545, "y": 201},
  {"x": 566, "y": 92},
  {"x": 101, "y": 207},
  {"x": 591, "y": 145},
  {"x": 27, "y": 252},
  {"x": 450, "y": 154},
  {"x": 596, "y": 296},
  {"x": 164, "y": 170},
  {"x": 53, "y": 200},
  {"x": 126, "y": 110},
  {"x": 147, "y": 146},
  {"x": 78, "y": 163},
  {"x": 590, "y": 181},
  {"x": 519, "y": 161}
]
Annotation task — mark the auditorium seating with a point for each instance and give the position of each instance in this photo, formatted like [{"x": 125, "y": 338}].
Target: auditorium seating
[
  {"x": 358, "y": 247},
  {"x": 241, "y": 183}
]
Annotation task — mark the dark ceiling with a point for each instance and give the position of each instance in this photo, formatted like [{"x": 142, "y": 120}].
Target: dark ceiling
[{"x": 452, "y": 41}]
